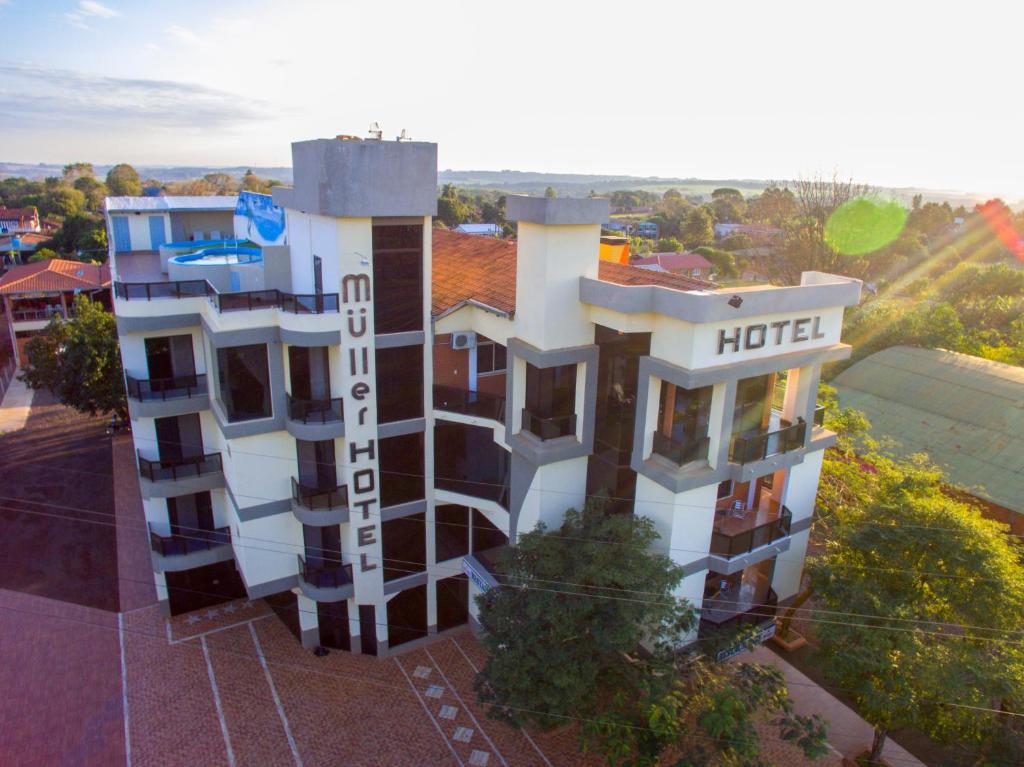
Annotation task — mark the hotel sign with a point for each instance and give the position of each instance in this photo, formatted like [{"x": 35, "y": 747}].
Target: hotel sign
[{"x": 758, "y": 336}]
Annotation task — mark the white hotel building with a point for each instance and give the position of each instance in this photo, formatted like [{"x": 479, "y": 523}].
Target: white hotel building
[{"x": 352, "y": 422}]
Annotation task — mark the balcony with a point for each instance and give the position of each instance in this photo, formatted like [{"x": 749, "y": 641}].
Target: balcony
[
  {"x": 151, "y": 291},
  {"x": 310, "y": 303},
  {"x": 472, "y": 403},
  {"x": 721, "y": 615},
  {"x": 36, "y": 315},
  {"x": 680, "y": 452},
  {"x": 497, "y": 491},
  {"x": 319, "y": 507},
  {"x": 149, "y": 389},
  {"x": 549, "y": 428},
  {"x": 737, "y": 532},
  {"x": 325, "y": 581},
  {"x": 194, "y": 548},
  {"x": 316, "y": 419},
  {"x": 169, "y": 477},
  {"x": 756, "y": 446}
]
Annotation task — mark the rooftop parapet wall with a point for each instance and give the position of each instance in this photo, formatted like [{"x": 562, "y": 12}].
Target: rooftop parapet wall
[
  {"x": 354, "y": 179},
  {"x": 553, "y": 211}
]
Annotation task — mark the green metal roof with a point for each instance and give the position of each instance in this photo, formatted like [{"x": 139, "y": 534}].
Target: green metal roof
[{"x": 966, "y": 413}]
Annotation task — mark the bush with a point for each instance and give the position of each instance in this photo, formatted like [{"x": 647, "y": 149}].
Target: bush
[
  {"x": 43, "y": 254},
  {"x": 724, "y": 262}
]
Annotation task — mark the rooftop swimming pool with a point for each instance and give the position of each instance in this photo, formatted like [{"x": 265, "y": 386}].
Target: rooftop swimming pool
[{"x": 217, "y": 256}]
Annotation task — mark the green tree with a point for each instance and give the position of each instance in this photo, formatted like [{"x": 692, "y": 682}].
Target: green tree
[
  {"x": 550, "y": 192},
  {"x": 95, "y": 191},
  {"x": 672, "y": 194},
  {"x": 63, "y": 201},
  {"x": 79, "y": 360},
  {"x": 123, "y": 181},
  {"x": 698, "y": 229},
  {"x": 728, "y": 205},
  {"x": 77, "y": 170},
  {"x": 930, "y": 219},
  {"x": 774, "y": 206},
  {"x": 669, "y": 245},
  {"x": 934, "y": 595},
  {"x": 222, "y": 183},
  {"x": 452, "y": 210},
  {"x": 563, "y": 645},
  {"x": 723, "y": 261},
  {"x": 42, "y": 254}
]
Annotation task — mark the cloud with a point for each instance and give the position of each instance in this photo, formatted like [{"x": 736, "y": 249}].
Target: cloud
[
  {"x": 43, "y": 97},
  {"x": 183, "y": 35},
  {"x": 91, "y": 8}
]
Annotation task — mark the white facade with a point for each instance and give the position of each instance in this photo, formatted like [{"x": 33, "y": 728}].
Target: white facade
[{"x": 567, "y": 321}]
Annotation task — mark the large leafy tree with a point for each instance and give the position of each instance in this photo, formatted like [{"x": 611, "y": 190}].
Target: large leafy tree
[
  {"x": 585, "y": 626},
  {"x": 927, "y": 602},
  {"x": 698, "y": 229},
  {"x": 79, "y": 360},
  {"x": 123, "y": 180}
]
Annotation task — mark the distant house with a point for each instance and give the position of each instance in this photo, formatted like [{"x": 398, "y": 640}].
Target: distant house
[
  {"x": 761, "y": 234},
  {"x": 965, "y": 412},
  {"x": 617, "y": 226},
  {"x": 685, "y": 263},
  {"x": 15, "y": 248},
  {"x": 481, "y": 230},
  {"x": 18, "y": 220},
  {"x": 646, "y": 229},
  {"x": 34, "y": 293}
]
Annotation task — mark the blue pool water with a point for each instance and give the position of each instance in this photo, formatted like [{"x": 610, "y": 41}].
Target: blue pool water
[{"x": 220, "y": 255}]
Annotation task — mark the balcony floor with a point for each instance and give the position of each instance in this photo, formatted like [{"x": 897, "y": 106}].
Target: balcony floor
[
  {"x": 139, "y": 266},
  {"x": 727, "y": 524}
]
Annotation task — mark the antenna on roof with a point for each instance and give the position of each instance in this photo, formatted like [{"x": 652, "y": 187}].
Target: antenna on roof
[
  {"x": 375, "y": 131},
  {"x": 404, "y": 136}
]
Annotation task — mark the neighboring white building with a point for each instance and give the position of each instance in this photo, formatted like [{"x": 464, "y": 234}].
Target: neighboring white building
[{"x": 355, "y": 434}]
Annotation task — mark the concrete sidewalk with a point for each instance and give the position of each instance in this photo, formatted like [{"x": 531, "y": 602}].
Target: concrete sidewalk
[
  {"x": 847, "y": 732},
  {"x": 16, "y": 405}
]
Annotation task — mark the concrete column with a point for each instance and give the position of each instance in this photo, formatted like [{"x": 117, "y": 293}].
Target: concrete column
[
  {"x": 10, "y": 328},
  {"x": 309, "y": 625}
]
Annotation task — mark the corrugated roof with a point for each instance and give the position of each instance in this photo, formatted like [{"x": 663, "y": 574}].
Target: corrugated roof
[
  {"x": 673, "y": 261},
  {"x": 168, "y": 204},
  {"x": 53, "y": 276},
  {"x": 966, "y": 413}
]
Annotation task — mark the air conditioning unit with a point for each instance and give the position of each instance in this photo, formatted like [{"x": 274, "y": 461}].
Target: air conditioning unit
[{"x": 464, "y": 340}]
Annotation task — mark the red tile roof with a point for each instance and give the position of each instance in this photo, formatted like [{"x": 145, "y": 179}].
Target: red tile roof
[
  {"x": 483, "y": 270},
  {"x": 671, "y": 262},
  {"x": 18, "y": 213},
  {"x": 53, "y": 276},
  {"x": 472, "y": 268}
]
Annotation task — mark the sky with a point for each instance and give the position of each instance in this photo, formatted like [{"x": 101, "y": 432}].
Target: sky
[{"x": 895, "y": 93}]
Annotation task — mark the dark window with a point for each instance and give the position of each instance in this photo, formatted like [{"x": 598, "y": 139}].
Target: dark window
[
  {"x": 332, "y": 619},
  {"x": 467, "y": 460},
  {"x": 318, "y": 275},
  {"x": 309, "y": 370},
  {"x": 451, "y": 531},
  {"x": 397, "y": 278},
  {"x": 683, "y": 414},
  {"x": 323, "y": 545},
  {"x": 401, "y": 469},
  {"x": 316, "y": 464},
  {"x": 550, "y": 401},
  {"x": 407, "y": 616},
  {"x": 452, "y": 602},
  {"x": 244, "y": 376},
  {"x": 170, "y": 356},
  {"x": 190, "y": 514},
  {"x": 753, "y": 403},
  {"x": 368, "y": 629},
  {"x": 490, "y": 356},
  {"x": 485, "y": 535},
  {"x": 724, "y": 489},
  {"x": 179, "y": 437},
  {"x": 399, "y": 383},
  {"x": 404, "y": 546}
]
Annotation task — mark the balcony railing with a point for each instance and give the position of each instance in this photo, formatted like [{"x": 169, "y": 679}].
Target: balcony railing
[
  {"x": 680, "y": 452},
  {"x": 180, "y": 468},
  {"x": 315, "y": 410},
  {"x": 475, "y": 403},
  {"x": 309, "y": 303},
  {"x": 149, "y": 291},
  {"x": 189, "y": 542},
  {"x": 819, "y": 415},
  {"x": 313, "y": 303},
  {"x": 320, "y": 498},
  {"x": 324, "y": 574},
  {"x": 756, "y": 447},
  {"x": 745, "y": 541},
  {"x": 178, "y": 387},
  {"x": 34, "y": 315},
  {"x": 549, "y": 428}
]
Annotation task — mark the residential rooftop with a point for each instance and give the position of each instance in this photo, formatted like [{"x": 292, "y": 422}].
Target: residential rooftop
[
  {"x": 53, "y": 276},
  {"x": 167, "y": 204}
]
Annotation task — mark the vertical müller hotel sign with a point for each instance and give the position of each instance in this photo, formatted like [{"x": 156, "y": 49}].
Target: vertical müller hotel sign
[{"x": 361, "y": 434}]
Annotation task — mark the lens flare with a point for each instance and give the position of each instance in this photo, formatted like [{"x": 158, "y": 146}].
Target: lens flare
[
  {"x": 1000, "y": 221},
  {"x": 863, "y": 225}
]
